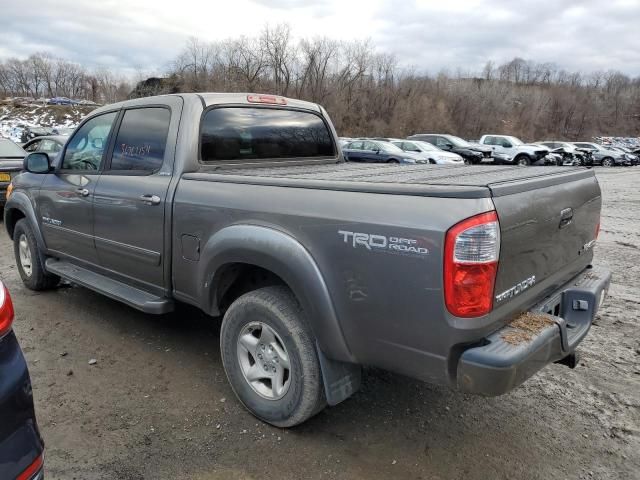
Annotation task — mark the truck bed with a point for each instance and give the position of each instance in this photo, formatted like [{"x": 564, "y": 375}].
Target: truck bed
[{"x": 463, "y": 181}]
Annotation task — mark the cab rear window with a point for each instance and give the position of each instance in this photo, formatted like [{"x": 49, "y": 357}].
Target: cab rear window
[{"x": 243, "y": 133}]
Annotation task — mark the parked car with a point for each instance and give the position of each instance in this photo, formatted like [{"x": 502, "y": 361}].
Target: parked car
[
  {"x": 11, "y": 158},
  {"x": 21, "y": 446},
  {"x": 50, "y": 144},
  {"x": 376, "y": 151},
  {"x": 571, "y": 152},
  {"x": 604, "y": 156},
  {"x": 516, "y": 151},
  {"x": 429, "y": 152},
  {"x": 29, "y": 133},
  {"x": 318, "y": 266},
  {"x": 471, "y": 153},
  {"x": 628, "y": 154}
]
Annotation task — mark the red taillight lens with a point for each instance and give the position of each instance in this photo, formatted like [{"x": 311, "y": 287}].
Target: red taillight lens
[
  {"x": 6, "y": 310},
  {"x": 471, "y": 253},
  {"x": 598, "y": 230},
  {"x": 32, "y": 469}
]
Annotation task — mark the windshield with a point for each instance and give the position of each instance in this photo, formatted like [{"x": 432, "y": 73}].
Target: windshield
[
  {"x": 515, "y": 141},
  {"x": 457, "y": 141},
  {"x": 10, "y": 149}
]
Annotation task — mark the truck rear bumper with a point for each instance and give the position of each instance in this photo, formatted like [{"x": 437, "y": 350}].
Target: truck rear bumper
[{"x": 510, "y": 356}]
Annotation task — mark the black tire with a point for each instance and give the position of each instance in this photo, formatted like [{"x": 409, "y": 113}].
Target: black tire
[
  {"x": 37, "y": 278},
  {"x": 608, "y": 162},
  {"x": 392, "y": 160},
  {"x": 277, "y": 308},
  {"x": 522, "y": 161}
]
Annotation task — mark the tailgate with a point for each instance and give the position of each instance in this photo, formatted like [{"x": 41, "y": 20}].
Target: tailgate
[{"x": 548, "y": 227}]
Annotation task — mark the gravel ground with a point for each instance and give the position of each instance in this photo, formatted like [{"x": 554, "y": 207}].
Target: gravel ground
[{"x": 156, "y": 404}]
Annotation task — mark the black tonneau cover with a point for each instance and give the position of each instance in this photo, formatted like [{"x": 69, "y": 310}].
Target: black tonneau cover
[{"x": 464, "y": 181}]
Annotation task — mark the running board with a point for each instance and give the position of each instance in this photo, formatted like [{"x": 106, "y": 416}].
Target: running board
[{"x": 109, "y": 287}]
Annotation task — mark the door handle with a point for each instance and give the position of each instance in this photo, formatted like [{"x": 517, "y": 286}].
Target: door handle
[
  {"x": 150, "y": 199},
  {"x": 83, "y": 191}
]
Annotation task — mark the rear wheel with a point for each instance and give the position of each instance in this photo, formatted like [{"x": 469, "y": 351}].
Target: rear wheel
[
  {"x": 393, "y": 160},
  {"x": 25, "y": 248},
  {"x": 269, "y": 356},
  {"x": 608, "y": 162}
]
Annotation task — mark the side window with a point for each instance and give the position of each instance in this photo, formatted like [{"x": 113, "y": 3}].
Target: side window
[
  {"x": 409, "y": 147},
  {"x": 34, "y": 146},
  {"x": 441, "y": 142},
  {"x": 85, "y": 149},
  {"x": 141, "y": 139},
  {"x": 370, "y": 146},
  {"x": 355, "y": 146}
]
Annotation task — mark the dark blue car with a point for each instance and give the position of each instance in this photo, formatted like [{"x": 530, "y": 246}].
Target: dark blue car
[
  {"x": 375, "y": 151},
  {"x": 21, "y": 447}
]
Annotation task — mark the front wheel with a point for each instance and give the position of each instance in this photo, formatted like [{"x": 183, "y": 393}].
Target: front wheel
[
  {"x": 269, "y": 355},
  {"x": 608, "y": 162},
  {"x": 25, "y": 248},
  {"x": 523, "y": 161}
]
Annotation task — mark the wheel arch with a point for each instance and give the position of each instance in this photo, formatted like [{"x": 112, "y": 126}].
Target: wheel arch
[
  {"x": 19, "y": 206},
  {"x": 281, "y": 258}
]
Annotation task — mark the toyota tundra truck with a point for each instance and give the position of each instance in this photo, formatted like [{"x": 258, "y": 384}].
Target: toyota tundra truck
[{"x": 474, "y": 277}]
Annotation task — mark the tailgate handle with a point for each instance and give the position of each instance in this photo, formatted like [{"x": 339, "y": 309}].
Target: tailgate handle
[{"x": 566, "y": 217}]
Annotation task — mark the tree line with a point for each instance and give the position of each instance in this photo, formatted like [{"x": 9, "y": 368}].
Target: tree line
[
  {"x": 42, "y": 75},
  {"x": 367, "y": 92}
]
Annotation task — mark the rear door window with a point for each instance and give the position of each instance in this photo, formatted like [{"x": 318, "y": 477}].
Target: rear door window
[
  {"x": 239, "y": 134},
  {"x": 141, "y": 140}
]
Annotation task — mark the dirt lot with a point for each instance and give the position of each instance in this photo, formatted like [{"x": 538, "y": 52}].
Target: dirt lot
[{"x": 157, "y": 405}]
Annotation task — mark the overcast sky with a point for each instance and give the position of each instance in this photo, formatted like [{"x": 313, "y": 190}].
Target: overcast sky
[{"x": 585, "y": 35}]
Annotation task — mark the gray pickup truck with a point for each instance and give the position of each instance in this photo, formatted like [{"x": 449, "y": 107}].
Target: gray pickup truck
[{"x": 473, "y": 277}]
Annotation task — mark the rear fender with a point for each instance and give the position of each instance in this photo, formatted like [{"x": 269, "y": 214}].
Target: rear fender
[{"x": 284, "y": 256}]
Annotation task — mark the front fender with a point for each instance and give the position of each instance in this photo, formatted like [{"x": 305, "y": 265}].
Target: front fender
[
  {"x": 20, "y": 202},
  {"x": 284, "y": 256}
]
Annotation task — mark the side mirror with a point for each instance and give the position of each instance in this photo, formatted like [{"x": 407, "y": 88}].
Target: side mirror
[
  {"x": 37, "y": 162},
  {"x": 376, "y": 150},
  {"x": 97, "y": 143},
  {"x": 448, "y": 145},
  {"x": 507, "y": 145}
]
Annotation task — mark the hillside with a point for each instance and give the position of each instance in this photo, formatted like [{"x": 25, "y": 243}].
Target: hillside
[{"x": 14, "y": 116}]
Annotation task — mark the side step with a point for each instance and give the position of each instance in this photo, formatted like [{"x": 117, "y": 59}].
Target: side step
[{"x": 109, "y": 287}]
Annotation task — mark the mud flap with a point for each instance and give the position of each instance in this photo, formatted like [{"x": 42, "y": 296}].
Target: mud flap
[{"x": 340, "y": 379}]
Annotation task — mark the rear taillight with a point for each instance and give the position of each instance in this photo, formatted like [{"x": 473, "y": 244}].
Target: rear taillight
[
  {"x": 6, "y": 310},
  {"x": 471, "y": 254},
  {"x": 598, "y": 230},
  {"x": 32, "y": 469}
]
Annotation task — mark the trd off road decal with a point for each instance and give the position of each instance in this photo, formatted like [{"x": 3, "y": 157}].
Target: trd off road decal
[{"x": 383, "y": 243}]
